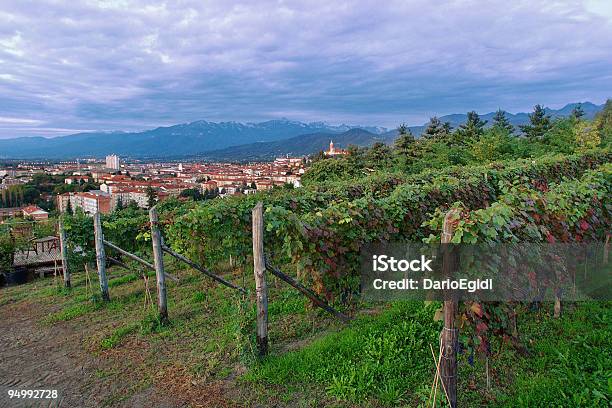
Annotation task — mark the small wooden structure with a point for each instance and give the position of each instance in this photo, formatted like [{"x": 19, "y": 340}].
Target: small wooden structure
[{"x": 43, "y": 257}]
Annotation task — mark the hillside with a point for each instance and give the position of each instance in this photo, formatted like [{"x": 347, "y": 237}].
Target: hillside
[{"x": 296, "y": 146}]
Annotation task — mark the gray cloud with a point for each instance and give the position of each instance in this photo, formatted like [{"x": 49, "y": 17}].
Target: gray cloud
[{"x": 130, "y": 65}]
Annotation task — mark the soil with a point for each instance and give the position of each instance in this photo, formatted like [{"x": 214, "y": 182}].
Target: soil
[{"x": 35, "y": 356}]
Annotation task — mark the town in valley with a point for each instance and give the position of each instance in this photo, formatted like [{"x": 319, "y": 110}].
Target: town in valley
[{"x": 32, "y": 190}]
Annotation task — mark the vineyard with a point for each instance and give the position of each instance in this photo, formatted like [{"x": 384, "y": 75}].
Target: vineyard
[{"x": 205, "y": 348}]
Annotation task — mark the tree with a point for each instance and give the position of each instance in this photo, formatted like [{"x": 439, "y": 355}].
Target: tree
[
  {"x": 562, "y": 135},
  {"x": 151, "y": 196},
  {"x": 212, "y": 193},
  {"x": 471, "y": 130},
  {"x": 402, "y": 129},
  {"x": 320, "y": 155},
  {"x": 603, "y": 123},
  {"x": 577, "y": 112},
  {"x": 69, "y": 208},
  {"x": 192, "y": 193},
  {"x": 404, "y": 141},
  {"x": 379, "y": 152},
  {"x": 501, "y": 122},
  {"x": 120, "y": 205},
  {"x": 434, "y": 128},
  {"x": 447, "y": 128},
  {"x": 7, "y": 252},
  {"x": 587, "y": 136},
  {"x": 539, "y": 124}
]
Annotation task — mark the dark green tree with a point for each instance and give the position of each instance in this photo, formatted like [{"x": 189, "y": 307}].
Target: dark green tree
[
  {"x": 539, "y": 124},
  {"x": 404, "y": 141},
  {"x": 151, "y": 196},
  {"x": 379, "y": 153},
  {"x": 471, "y": 130},
  {"x": 192, "y": 193},
  {"x": 69, "y": 210},
  {"x": 447, "y": 128},
  {"x": 434, "y": 129},
  {"x": 577, "y": 112},
  {"x": 402, "y": 129},
  {"x": 501, "y": 122}
]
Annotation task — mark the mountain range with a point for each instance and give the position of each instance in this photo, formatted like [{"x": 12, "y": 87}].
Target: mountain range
[{"x": 229, "y": 140}]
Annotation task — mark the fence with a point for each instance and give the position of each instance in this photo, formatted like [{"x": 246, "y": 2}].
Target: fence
[{"x": 446, "y": 360}]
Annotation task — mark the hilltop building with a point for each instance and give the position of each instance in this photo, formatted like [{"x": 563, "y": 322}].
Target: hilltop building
[{"x": 333, "y": 151}]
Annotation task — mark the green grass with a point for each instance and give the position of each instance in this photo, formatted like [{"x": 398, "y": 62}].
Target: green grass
[
  {"x": 385, "y": 360},
  {"x": 72, "y": 312},
  {"x": 570, "y": 362},
  {"x": 380, "y": 359},
  {"x": 118, "y": 335},
  {"x": 114, "y": 282},
  {"x": 369, "y": 359}
]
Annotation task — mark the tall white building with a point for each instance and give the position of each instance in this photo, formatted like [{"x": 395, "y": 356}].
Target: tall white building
[{"x": 113, "y": 162}]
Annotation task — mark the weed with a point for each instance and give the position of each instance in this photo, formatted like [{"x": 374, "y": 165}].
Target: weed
[{"x": 118, "y": 335}]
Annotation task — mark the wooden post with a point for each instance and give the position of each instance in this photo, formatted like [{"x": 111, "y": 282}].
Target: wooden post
[
  {"x": 259, "y": 269},
  {"x": 64, "y": 254},
  {"x": 137, "y": 259},
  {"x": 158, "y": 260},
  {"x": 450, "y": 333},
  {"x": 557, "y": 307},
  {"x": 101, "y": 257}
]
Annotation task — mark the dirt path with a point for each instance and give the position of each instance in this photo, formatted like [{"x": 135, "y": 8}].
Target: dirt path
[{"x": 33, "y": 356}]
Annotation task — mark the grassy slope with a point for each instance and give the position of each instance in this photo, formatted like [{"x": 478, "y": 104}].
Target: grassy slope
[
  {"x": 381, "y": 358},
  {"x": 386, "y": 360}
]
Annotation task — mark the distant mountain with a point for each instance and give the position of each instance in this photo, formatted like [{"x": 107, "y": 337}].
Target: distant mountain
[
  {"x": 234, "y": 140},
  {"x": 295, "y": 146},
  {"x": 521, "y": 118},
  {"x": 590, "y": 110},
  {"x": 177, "y": 140}
]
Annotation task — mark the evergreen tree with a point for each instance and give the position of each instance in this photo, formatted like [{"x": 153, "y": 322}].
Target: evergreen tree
[
  {"x": 120, "y": 205},
  {"x": 434, "y": 129},
  {"x": 539, "y": 123},
  {"x": 471, "y": 130},
  {"x": 501, "y": 122},
  {"x": 447, "y": 128},
  {"x": 379, "y": 153},
  {"x": 577, "y": 112},
  {"x": 402, "y": 129},
  {"x": 151, "y": 197},
  {"x": 69, "y": 208},
  {"x": 404, "y": 141}
]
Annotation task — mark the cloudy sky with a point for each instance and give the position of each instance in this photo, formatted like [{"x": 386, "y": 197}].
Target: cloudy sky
[{"x": 69, "y": 66}]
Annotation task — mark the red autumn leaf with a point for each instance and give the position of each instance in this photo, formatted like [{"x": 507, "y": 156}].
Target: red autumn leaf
[
  {"x": 584, "y": 225},
  {"x": 481, "y": 327}
]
